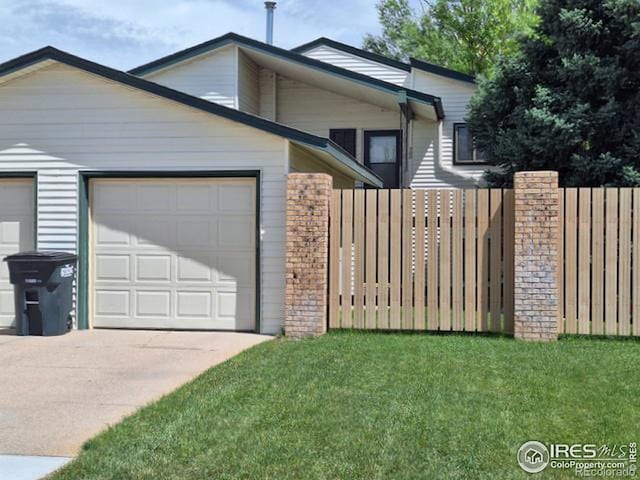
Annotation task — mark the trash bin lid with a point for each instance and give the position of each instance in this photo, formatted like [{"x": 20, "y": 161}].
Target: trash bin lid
[{"x": 42, "y": 257}]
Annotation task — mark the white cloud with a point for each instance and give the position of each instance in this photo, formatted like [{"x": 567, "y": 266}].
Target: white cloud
[{"x": 126, "y": 33}]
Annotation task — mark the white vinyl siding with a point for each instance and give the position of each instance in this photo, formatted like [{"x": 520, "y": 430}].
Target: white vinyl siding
[
  {"x": 455, "y": 97},
  {"x": 267, "y": 94},
  {"x": 248, "y": 84},
  {"x": 211, "y": 76},
  {"x": 359, "y": 64},
  {"x": 317, "y": 111},
  {"x": 60, "y": 120},
  {"x": 301, "y": 161}
]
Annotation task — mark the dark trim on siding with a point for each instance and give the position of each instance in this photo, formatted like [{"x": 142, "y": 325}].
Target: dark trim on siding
[
  {"x": 84, "y": 248},
  {"x": 454, "y": 161},
  {"x": 442, "y": 71},
  {"x": 34, "y": 176},
  {"x": 50, "y": 53},
  {"x": 374, "y": 57},
  {"x": 234, "y": 38}
]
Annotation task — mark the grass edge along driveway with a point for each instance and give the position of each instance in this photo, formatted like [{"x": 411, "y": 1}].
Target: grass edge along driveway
[{"x": 353, "y": 405}]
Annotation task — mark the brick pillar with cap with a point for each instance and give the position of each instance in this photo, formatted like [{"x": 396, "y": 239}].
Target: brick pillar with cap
[
  {"x": 307, "y": 257},
  {"x": 536, "y": 256}
]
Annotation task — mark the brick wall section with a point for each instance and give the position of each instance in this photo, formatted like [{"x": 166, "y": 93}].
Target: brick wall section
[
  {"x": 308, "y": 206},
  {"x": 536, "y": 256}
]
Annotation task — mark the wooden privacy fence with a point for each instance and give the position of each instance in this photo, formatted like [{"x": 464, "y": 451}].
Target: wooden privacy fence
[
  {"x": 599, "y": 277},
  {"x": 422, "y": 260}
]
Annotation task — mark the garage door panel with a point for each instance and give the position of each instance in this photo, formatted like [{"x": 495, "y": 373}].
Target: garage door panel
[
  {"x": 155, "y": 198},
  {"x": 194, "y": 232},
  {"x": 196, "y": 268},
  {"x": 152, "y": 303},
  {"x": 111, "y": 303},
  {"x": 114, "y": 229},
  {"x": 237, "y": 269},
  {"x": 236, "y": 199},
  {"x": 193, "y": 263},
  {"x": 16, "y": 234},
  {"x": 113, "y": 267},
  {"x": 237, "y": 234},
  {"x": 192, "y": 304},
  {"x": 154, "y": 231},
  {"x": 155, "y": 268},
  {"x": 110, "y": 198},
  {"x": 196, "y": 199}
]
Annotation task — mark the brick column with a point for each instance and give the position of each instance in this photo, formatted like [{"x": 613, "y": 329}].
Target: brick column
[
  {"x": 308, "y": 203},
  {"x": 536, "y": 256}
]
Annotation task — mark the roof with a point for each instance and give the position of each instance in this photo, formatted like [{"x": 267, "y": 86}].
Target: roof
[
  {"x": 442, "y": 71},
  {"x": 352, "y": 50},
  {"x": 234, "y": 38},
  {"x": 414, "y": 62},
  {"x": 319, "y": 143}
]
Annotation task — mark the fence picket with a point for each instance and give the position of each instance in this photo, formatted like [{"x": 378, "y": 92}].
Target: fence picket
[
  {"x": 419, "y": 291},
  {"x": 570, "y": 260},
  {"x": 334, "y": 259},
  {"x": 407, "y": 259},
  {"x": 597, "y": 261},
  {"x": 508, "y": 241},
  {"x": 395, "y": 215},
  {"x": 383, "y": 259},
  {"x": 584, "y": 260},
  {"x": 457, "y": 261},
  {"x": 358, "y": 258},
  {"x": 483, "y": 259},
  {"x": 636, "y": 262},
  {"x": 346, "y": 320},
  {"x": 560, "y": 269},
  {"x": 371, "y": 257},
  {"x": 432, "y": 262},
  {"x": 611, "y": 262},
  {"x": 445, "y": 261},
  {"x": 624, "y": 263},
  {"x": 470, "y": 235},
  {"x": 495, "y": 272}
]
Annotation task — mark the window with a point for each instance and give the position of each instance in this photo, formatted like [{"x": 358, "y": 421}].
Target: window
[
  {"x": 464, "y": 150},
  {"x": 344, "y": 137},
  {"x": 382, "y": 154}
]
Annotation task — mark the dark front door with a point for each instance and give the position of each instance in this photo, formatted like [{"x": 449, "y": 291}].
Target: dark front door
[{"x": 382, "y": 153}]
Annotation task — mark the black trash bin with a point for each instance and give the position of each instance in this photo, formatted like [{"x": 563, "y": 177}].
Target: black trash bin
[{"x": 43, "y": 283}]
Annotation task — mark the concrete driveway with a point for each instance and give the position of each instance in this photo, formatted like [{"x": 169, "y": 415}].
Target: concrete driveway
[{"x": 57, "y": 392}]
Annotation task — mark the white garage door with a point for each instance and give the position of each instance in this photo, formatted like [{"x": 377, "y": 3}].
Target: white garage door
[
  {"x": 174, "y": 253},
  {"x": 16, "y": 234}
]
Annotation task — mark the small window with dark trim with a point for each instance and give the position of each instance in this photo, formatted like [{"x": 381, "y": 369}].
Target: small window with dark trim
[
  {"x": 464, "y": 149},
  {"x": 345, "y": 138}
]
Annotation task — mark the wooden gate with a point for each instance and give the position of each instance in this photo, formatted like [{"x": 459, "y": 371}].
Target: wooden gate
[{"x": 422, "y": 260}]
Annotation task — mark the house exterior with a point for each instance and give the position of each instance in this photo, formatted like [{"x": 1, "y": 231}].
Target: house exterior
[{"x": 169, "y": 181}]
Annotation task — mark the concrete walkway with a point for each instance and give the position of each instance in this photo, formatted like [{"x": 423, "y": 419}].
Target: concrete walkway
[{"x": 57, "y": 392}]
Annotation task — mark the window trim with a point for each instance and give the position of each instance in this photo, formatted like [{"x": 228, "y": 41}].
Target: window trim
[
  {"x": 454, "y": 150},
  {"x": 384, "y": 133},
  {"x": 346, "y": 130}
]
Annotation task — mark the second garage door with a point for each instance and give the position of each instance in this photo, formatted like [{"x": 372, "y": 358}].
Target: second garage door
[
  {"x": 16, "y": 234},
  {"x": 173, "y": 253}
]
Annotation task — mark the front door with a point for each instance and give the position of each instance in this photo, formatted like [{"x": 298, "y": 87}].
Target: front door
[{"x": 382, "y": 153}]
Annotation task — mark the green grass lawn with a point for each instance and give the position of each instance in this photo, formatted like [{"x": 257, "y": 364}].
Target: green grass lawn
[{"x": 377, "y": 406}]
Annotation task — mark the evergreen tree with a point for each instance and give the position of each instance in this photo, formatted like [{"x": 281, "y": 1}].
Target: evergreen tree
[{"x": 569, "y": 100}]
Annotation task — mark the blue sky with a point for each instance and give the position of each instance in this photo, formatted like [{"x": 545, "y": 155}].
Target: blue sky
[{"x": 126, "y": 33}]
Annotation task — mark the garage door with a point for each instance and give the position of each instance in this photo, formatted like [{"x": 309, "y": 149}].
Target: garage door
[
  {"x": 175, "y": 253},
  {"x": 16, "y": 234}
]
